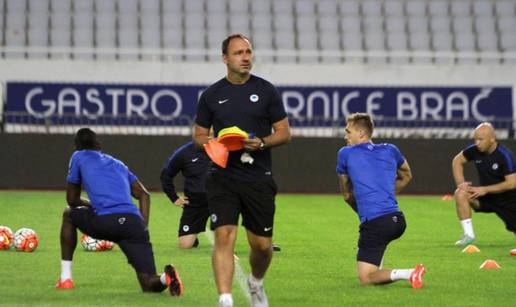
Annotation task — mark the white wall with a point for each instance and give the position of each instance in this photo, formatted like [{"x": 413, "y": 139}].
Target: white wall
[{"x": 280, "y": 74}]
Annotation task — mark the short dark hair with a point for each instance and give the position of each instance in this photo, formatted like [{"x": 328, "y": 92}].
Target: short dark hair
[
  {"x": 362, "y": 121},
  {"x": 85, "y": 138},
  {"x": 225, "y": 43}
]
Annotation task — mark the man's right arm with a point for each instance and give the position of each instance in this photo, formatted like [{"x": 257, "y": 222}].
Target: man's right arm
[
  {"x": 347, "y": 191},
  {"x": 458, "y": 169},
  {"x": 200, "y": 135},
  {"x": 168, "y": 173}
]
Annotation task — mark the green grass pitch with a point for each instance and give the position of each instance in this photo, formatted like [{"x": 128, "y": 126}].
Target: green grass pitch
[{"x": 316, "y": 266}]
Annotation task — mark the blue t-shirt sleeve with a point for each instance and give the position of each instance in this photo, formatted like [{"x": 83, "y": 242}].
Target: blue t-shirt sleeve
[
  {"x": 204, "y": 115},
  {"x": 74, "y": 171},
  {"x": 509, "y": 165},
  {"x": 342, "y": 161},
  {"x": 398, "y": 156},
  {"x": 132, "y": 177}
]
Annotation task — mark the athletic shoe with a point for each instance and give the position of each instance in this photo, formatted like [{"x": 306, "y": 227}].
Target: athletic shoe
[
  {"x": 416, "y": 278},
  {"x": 258, "y": 297},
  {"x": 67, "y": 284},
  {"x": 225, "y": 303},
  {"x": 465, "y": 240},
  {"x": 175, "y": 286},
  {"x": 513, "y": 252},
  {"x": 276, "y": 248}
]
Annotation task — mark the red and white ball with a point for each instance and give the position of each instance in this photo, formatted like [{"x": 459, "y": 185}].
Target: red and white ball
[
  {"x": 94, "y": 245},
  {"x": 25, "y": 240},
  {"x": 106, "y": 245},
  {"x": 6, "y": 237}
]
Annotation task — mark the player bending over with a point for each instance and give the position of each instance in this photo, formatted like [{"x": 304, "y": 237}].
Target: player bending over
[{"x": 110, "y": 214}]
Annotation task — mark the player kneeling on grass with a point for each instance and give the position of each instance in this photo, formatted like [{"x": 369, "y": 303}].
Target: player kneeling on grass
[
  {"x": 496, "y": 193},
  {"x": 370, "y": 175},
  {"x": 193, "y": 163},
  {"x": 110, "y": 214}
]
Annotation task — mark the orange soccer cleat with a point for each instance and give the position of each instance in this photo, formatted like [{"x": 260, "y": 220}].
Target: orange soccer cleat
[
  {"x": 416, "y": 278},
  {"x": 174, "y": 283},
  {"x": 66, "y": 284}
]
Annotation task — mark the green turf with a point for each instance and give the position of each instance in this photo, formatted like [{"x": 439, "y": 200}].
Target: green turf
[{"x": 316, "y": 266}]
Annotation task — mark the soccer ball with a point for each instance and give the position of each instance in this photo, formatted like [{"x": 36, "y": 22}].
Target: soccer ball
[
  {"x": 90, "y": 244},
  {"x": 106, "y": 245},
  {"x": 6, "y": 237},
  {"x": 25, "y": 240},
  {"x": 94, "y": 245}
]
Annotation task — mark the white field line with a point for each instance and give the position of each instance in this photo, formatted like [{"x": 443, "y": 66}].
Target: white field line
[{"x": 240, "y": 274}]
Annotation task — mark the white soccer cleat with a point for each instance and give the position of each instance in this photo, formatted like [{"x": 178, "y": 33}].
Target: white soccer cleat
[
  {"x": 258, "y": 297},
  {"x": 465, "y": 240}
]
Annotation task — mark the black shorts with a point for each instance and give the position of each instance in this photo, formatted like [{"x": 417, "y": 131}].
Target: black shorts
[
  {"x": 505, "y": 211},
  {"x": 194, "y": 218},
  {"x": 228, "y": 198},
  {"x": 127, "y": 230},
  {"x": 376, "y": 234}
]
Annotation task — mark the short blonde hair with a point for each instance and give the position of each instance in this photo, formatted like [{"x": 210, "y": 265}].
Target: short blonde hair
[{"x": 362, "y": 121}]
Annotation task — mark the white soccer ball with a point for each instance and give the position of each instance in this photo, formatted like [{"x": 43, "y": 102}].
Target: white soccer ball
[
  {"x": 25, "y": 240},
  {"x": 94, "y": 245},
  {"x": 6, "y": 237}
]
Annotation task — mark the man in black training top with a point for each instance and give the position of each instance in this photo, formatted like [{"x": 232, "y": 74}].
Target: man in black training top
[
  {"x": 497, "y": 190},
  {"x": 193, "y": 163},
  {"x": 246, "y": 185}
]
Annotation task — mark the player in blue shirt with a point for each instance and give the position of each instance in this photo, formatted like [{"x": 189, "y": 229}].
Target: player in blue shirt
[
  {"x": 109, "y": 214},
  {"x": 496, "y": 193},
  {"x": 370, "y": 175}
]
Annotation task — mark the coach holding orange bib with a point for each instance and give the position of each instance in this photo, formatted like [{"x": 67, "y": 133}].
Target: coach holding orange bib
[{"x": 245, "y": 185}]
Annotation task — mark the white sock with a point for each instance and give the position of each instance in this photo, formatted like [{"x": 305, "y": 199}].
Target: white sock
[
  {"x": 255, "y": 281},
  {"x": 467, "y": 225},
  {"x": 163, "y": 279},
  {"x": 66, "y": 270},
  {"x": 226, "y": 298},
  {"x": 401, "y": 274}
]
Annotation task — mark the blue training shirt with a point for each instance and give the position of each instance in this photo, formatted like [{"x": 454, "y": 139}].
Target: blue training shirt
[
  {"x": 107, "y": 181},
  {"x": 372, "y": 170}
]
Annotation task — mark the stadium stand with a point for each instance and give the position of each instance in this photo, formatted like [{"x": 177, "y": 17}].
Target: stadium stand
[{"x": 302, "y": 31}]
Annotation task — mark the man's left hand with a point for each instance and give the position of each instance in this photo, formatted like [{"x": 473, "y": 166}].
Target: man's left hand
[
  {"x": 476, "y": 192},
  {"x": 252, "y": 144}
]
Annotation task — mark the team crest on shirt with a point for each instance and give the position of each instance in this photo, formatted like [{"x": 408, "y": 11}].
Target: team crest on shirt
[
  {"x": 495, "y": 166},
  {"x": 254, "y": 98},
  {"x": 186, "y": 228}
]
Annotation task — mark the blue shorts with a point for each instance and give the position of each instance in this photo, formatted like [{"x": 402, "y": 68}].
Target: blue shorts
[{"x": 127, "y": 230}]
